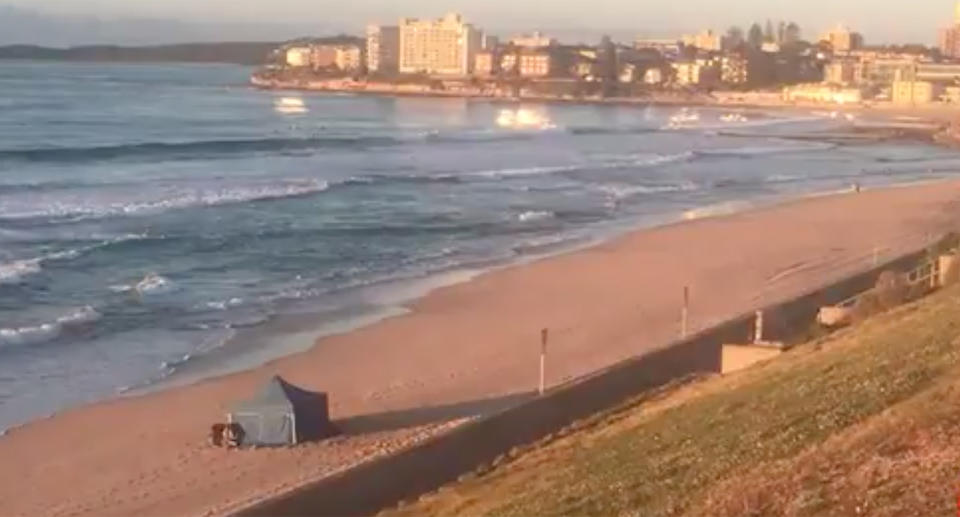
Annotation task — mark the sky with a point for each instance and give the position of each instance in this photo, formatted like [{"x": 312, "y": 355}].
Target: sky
[{"x": 881, "y": 21}]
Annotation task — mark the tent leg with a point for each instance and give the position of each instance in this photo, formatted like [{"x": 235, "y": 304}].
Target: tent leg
[{"x": 293, "y": 430}]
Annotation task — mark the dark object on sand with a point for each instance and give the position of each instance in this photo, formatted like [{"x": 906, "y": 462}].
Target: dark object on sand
[
  {"x": 216, "y": 434},
  {"x": 233, "y": 434},
  {"x": 282, "y": 414}
]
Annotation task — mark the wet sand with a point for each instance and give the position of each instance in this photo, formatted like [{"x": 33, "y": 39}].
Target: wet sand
[{"x": 462, "y": 350}]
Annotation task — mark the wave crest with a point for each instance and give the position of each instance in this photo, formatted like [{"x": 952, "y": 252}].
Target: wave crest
[
  {"x": 177, "y": 201},
  {"x": 15, "y": 272},
  {"x": 46, "y": 332}
]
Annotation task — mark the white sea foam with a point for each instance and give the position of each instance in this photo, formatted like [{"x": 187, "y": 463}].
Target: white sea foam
[
  {"x": 763, "y": 150},
  {"x": 15, "y": 272},
  {"x": 222, "y": 305},
  {"x": 85, "y": 315},
  {"x": 634, "y": 160},
  {"x": 525, "y": 171},
  {"x": 719, "y": 209},
  {"x": 44, "y": 332},
  {"x": 154, "y": 284},
  {"x": 177, "y": 199},
  {"x": 625, "y": 191},
  {"x": 535, "y": 215}
]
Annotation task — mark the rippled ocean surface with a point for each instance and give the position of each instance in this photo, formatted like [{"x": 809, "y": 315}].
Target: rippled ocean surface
[{"x": 154, "y": 218}]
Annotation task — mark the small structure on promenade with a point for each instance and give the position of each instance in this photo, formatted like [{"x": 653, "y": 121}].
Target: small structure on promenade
[
  {"x": 282, "y": 414},
  {"x": 737, "y": 356}
]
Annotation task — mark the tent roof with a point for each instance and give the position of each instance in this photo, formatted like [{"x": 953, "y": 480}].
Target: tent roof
[{"x": 276, "y": 395}]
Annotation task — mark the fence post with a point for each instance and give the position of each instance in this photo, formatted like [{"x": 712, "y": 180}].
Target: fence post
[
  {"x": 758, "y": 328},
  {"x": 685, "y": 312},
  {"x": 543, "y": 360}
]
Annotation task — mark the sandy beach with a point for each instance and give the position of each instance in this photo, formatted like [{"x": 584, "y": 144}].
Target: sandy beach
[{"x": 461, "y": 350}]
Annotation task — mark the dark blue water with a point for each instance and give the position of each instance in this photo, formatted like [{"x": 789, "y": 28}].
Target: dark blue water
[{"x": 151, "y": 216}]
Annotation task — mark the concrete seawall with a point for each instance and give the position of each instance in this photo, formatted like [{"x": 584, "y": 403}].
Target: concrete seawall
[{"x": 408, "y": 474}]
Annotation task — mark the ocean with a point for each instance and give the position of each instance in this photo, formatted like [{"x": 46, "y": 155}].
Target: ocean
[{"x": 163, "y": 223}]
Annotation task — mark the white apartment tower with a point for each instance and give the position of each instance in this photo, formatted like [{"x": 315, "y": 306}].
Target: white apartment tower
[{"x": 438, "y": 47}]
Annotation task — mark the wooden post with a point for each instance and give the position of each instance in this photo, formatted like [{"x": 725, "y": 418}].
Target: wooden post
[
  {"x": 544, "y": 334},
  {"x": 685, "y": 312},
  {"x": 758, "y": 328},
  {"x": 934, "y": 272}
]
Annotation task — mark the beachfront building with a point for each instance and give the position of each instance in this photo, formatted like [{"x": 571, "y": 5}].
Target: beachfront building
[
  {"x": 696, "y": 72},
  {"x": 840, "y": 72},
  {"x": 703, "y": 40},
  {"x": 842, "y": 39},
  {"x": 485, "y": 63},
  {"x": 823, "y": 94},
  {"x": 949, "y": 41},
  {"x": 951, "y": 95},
  {"x": 887, "y": 71},
  {"x": 770, "y": 47},
  {"x": 348, "y": 58},
  {"x": 653, "y": 76},
  {"x": 949, "y": 37},
  {"x": 914, "y": 92},
  {"x": 734, "y": 69},
  {"x": 489, "y": 42},
  {"x": 535, "y": 63},
  {"x": 583, "y": 67},
  {"x": 383, "y": 48},
  {"x": 628, "y": 73},
  {"x": 298, "y": 57},
  {"x": 938, "y": 72},
  {"x": 535, "y": 40},
  {"x": 446, "y": 46},
  {"x": 665, "y": 47}
]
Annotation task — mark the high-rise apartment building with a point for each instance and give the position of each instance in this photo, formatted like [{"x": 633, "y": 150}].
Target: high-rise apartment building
[
  {"x": 704, "y": 40},
  {"x": 383, "y": 48},
  {"x": 438, "y": 47},
  {"x": 843, "y": 39},
  {"x": 949, "y": 40}
]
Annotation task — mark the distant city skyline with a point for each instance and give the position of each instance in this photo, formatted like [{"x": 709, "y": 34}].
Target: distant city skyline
[{"x": 899, "y": 22}]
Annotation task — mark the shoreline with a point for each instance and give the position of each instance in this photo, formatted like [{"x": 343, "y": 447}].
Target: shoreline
[
  {"x": 933, "y": 113},
  {"x": 284, "y": 339},
  {"x": 368, "y": 371},
  {"x": 398, "y": 297}
]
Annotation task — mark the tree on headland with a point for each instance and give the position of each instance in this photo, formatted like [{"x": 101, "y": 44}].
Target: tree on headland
[
  {"x": 792, "y": 34},
  {"x": 734, "y": 38},
  {"x": 768, "y": 35},
  {"x": 755, "y": 36}
]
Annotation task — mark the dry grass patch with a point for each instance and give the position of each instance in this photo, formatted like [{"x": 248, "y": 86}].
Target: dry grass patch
[{"x": 684, "y": 453}]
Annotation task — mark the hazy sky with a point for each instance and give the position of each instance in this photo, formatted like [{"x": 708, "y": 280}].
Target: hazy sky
[{"x": 879, "y": 20}]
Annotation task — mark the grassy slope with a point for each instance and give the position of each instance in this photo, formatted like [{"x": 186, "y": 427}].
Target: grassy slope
[{"x": 864, "y": 422}]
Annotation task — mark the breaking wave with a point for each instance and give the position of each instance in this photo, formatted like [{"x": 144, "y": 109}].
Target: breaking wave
[
  {"x": 181, "y": 200},
  {"x": 752, "y": 151},
  {"x": 642, "y": 160},
  {"x": 15, "y": 272},
  {"x": 535, "y": 215},
  {"x": 45, "y": 332},
  {"x": 626, "y": 191},
  {"x": 167, "y": 150}
]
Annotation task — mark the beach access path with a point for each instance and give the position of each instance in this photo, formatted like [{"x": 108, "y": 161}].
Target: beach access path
[{"x": 462, "y": 349}]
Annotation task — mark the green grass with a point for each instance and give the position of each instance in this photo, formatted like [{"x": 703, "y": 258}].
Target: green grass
[{"x": 675, "y": 455}]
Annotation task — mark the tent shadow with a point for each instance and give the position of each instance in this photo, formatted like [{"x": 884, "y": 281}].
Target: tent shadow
[{"x": 405, "y": 418}]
